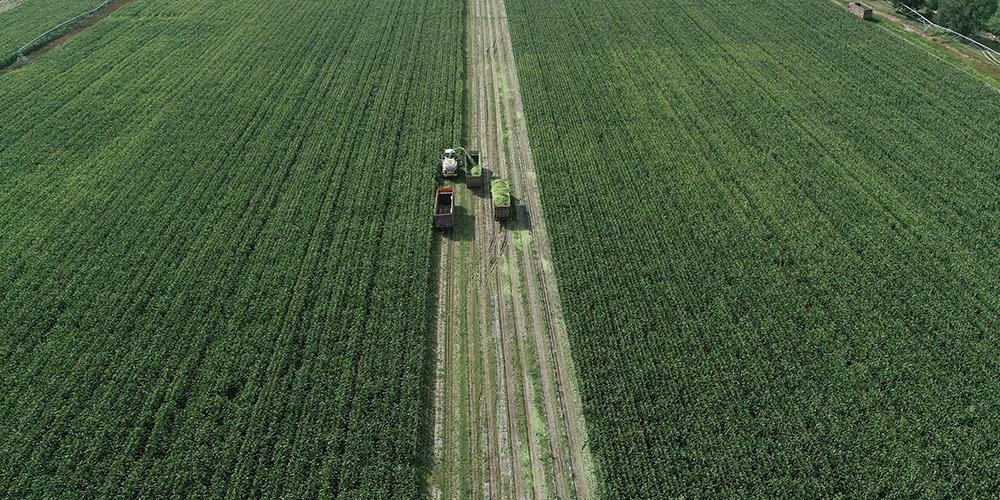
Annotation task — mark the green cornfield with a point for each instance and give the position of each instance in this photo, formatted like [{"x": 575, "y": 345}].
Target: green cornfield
[
  {"x": 775, "y": 229},
  {"x": 211, "y": 285}
]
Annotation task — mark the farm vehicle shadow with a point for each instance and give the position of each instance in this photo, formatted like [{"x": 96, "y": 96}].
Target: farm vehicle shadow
[
  {"x": 518, "y": 212},
  {"x": 464, "y": 221},
  {"x": 481, "y": 191}
]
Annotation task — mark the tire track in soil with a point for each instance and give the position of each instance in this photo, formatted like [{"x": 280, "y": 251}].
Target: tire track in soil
[
  {"x": 489, "y": 135},
  {"x": 514, "y": 325},
  {"x": 571, "y": 464},
  {"x": 443, "y": 452},
  {"x": 510, "y": 331},
  {"x": 508, "y": 421},
  {"x": 503, "y": 455}
]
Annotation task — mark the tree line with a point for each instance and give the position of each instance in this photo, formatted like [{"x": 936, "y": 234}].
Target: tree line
[{"x": 964, "y": 16}]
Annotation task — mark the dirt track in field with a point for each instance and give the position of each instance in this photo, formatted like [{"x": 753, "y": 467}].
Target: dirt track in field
[
  {"x": 6, "y": 5},
  {"x": 508, "y": 419}
]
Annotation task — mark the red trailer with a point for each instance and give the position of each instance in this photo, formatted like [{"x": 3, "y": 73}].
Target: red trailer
[
  {"x": 861, "y": 10},
  {"x": 444, "y": 208}
]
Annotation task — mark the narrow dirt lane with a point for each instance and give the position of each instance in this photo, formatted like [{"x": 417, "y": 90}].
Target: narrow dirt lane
[
  {"x": 6, "y": 5},
  {"x": 572, "y": 464},
  {"x": 508, "y": 418}
]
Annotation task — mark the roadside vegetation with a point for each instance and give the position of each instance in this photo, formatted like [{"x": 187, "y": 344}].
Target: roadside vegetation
[{"x": 964, "y": 16}]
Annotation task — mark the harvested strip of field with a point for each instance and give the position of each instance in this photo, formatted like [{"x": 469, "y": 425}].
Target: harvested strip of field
[
  {"x": 509, "y": 419},
  {"x": 775, "y": 232},
  {"x": 213, "y": 285}
]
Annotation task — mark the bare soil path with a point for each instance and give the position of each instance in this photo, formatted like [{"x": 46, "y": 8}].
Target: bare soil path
[
  {"x": 508, "y": 418},
  {"x": 6, "y": 5}
]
